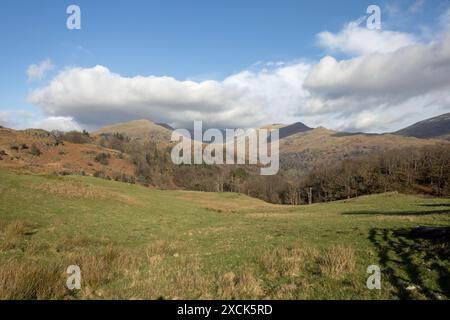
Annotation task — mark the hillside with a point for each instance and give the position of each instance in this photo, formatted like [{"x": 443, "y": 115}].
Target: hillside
[
  {"x": 136, "y": 243},
  {"x": 143, "y": 130},
  {"x": 437, "y": 127},
  {"x": 130, "y": 160},
  {"x": 41, "y": 152},
  {"x": 304, "y": 151}
]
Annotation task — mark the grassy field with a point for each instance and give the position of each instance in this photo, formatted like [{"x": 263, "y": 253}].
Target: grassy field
[{"x": 136, "y": 243}]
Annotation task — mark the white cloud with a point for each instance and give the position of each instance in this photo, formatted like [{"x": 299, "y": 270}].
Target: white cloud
[
  {"x": 400, "y": 75},
  {"x": 15, "y": 119},
  {"x": 96, "y": 96},
  {"x": 58, "y": 123},
  {"x": 36, "y": 72},
  {"x": 379, "y": 91},
  {"x": 387, "y": 86},
  {"x": 22, "y": 119},
  {"x": 357, "y": 40}
]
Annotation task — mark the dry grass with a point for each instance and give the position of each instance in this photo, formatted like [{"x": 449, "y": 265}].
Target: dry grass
[
  {"x": 222, "y": 202},
  {"x": 274, "y": 215},
  {"x": 337, "y": 261},
  {"x": 73, "y": 189},
  {"x": 100, "y": 269},
  {"x": 162, "y": 248},
  {"x": 180, "y": 278},
  {"x": 73, "y": 243},
  {"x": 11, "y": 234},
  {"x": 143, "y": 274},
  {"x": 161, "y": 270},
  {"x": 188, "y": 280},
  {"x": 287, "y": 262},
  {"x": 32, "y": 280},
  {"x": 20, "y": 280},
  {"x": 245, "y": 286},
  {"x": 287, "y": 291}
]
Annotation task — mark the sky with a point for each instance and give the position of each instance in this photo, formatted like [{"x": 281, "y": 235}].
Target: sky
[{"x": 229, "y": 63}]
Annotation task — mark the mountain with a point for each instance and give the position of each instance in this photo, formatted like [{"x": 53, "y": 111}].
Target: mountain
[
  {"x": 139, "y": 130},
  {"x": 287, "y": 130},
  {"x": 317, "y": 147},
  {"x": 292, "y": 129},
  {"x": 437, "y": 127}
]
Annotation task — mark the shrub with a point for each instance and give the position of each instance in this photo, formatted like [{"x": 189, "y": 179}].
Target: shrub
[
  {"x": 76, "y": 137},
  {"x": 102, "y": 158},
  {"x": 14, "y": 146},
  {"x": 240, "y": 173},
  {"x": 35, "y": 151},
  {"x": 99, "y": 174}
]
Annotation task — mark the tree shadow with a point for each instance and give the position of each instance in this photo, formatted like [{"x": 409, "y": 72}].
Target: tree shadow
[{"x": 406, "y": 261}]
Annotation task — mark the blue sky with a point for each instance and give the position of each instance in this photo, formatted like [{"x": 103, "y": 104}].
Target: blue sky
[{"x": 198, "y": 40}]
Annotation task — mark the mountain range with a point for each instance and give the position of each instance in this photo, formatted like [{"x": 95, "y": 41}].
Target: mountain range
[
  {"x": 301, "y": 148},
  {"x": 433, "y": 128}
]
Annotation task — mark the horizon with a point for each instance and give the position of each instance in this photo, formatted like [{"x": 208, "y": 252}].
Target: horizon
[
  {"x": 191, "y": 128},
  {"x": 240, "y": 65}
]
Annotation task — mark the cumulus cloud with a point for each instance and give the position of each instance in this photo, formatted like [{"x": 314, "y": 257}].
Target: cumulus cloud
[
  {"x": 58, "y": 123},
  {"x": 357, "y": 40},
  {"x": 3, "y": 122},
  {"x": 97, "y": 96},
  {"x": 22, "y": 119},
  {"x": 15, "y": 119},
  {"x": 388, "y": 78},
  {"x": 36, "y": 72},
  {"x": 389, "y": 84}
]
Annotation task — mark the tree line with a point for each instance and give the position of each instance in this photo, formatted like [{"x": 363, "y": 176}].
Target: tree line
[{"x": 423, "y": 170}]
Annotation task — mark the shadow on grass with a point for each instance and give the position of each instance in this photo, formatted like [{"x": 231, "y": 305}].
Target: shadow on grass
[
  {"x": 421, "y": 265},
  {"x": 398, "y": 213}
]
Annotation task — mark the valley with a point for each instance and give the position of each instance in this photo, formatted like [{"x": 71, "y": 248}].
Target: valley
[
  {"x": 135, "y": 243},
  {"x": 149, "y": 229}
]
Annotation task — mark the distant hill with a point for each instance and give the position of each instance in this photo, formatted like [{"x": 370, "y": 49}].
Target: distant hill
[
  {"x": 437, "y": 127},
  {"x": 288, "y": 130},
  {"x": 306, "y": 150},
  {"x": 292, "y": 129},
  {"x": 139, "y": 130}
]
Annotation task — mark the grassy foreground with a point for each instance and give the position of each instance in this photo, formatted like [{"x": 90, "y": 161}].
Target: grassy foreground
[{"x": 135, "y": 243}]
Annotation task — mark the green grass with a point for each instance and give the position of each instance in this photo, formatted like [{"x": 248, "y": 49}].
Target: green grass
[{"x": 136, "y": 243}]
